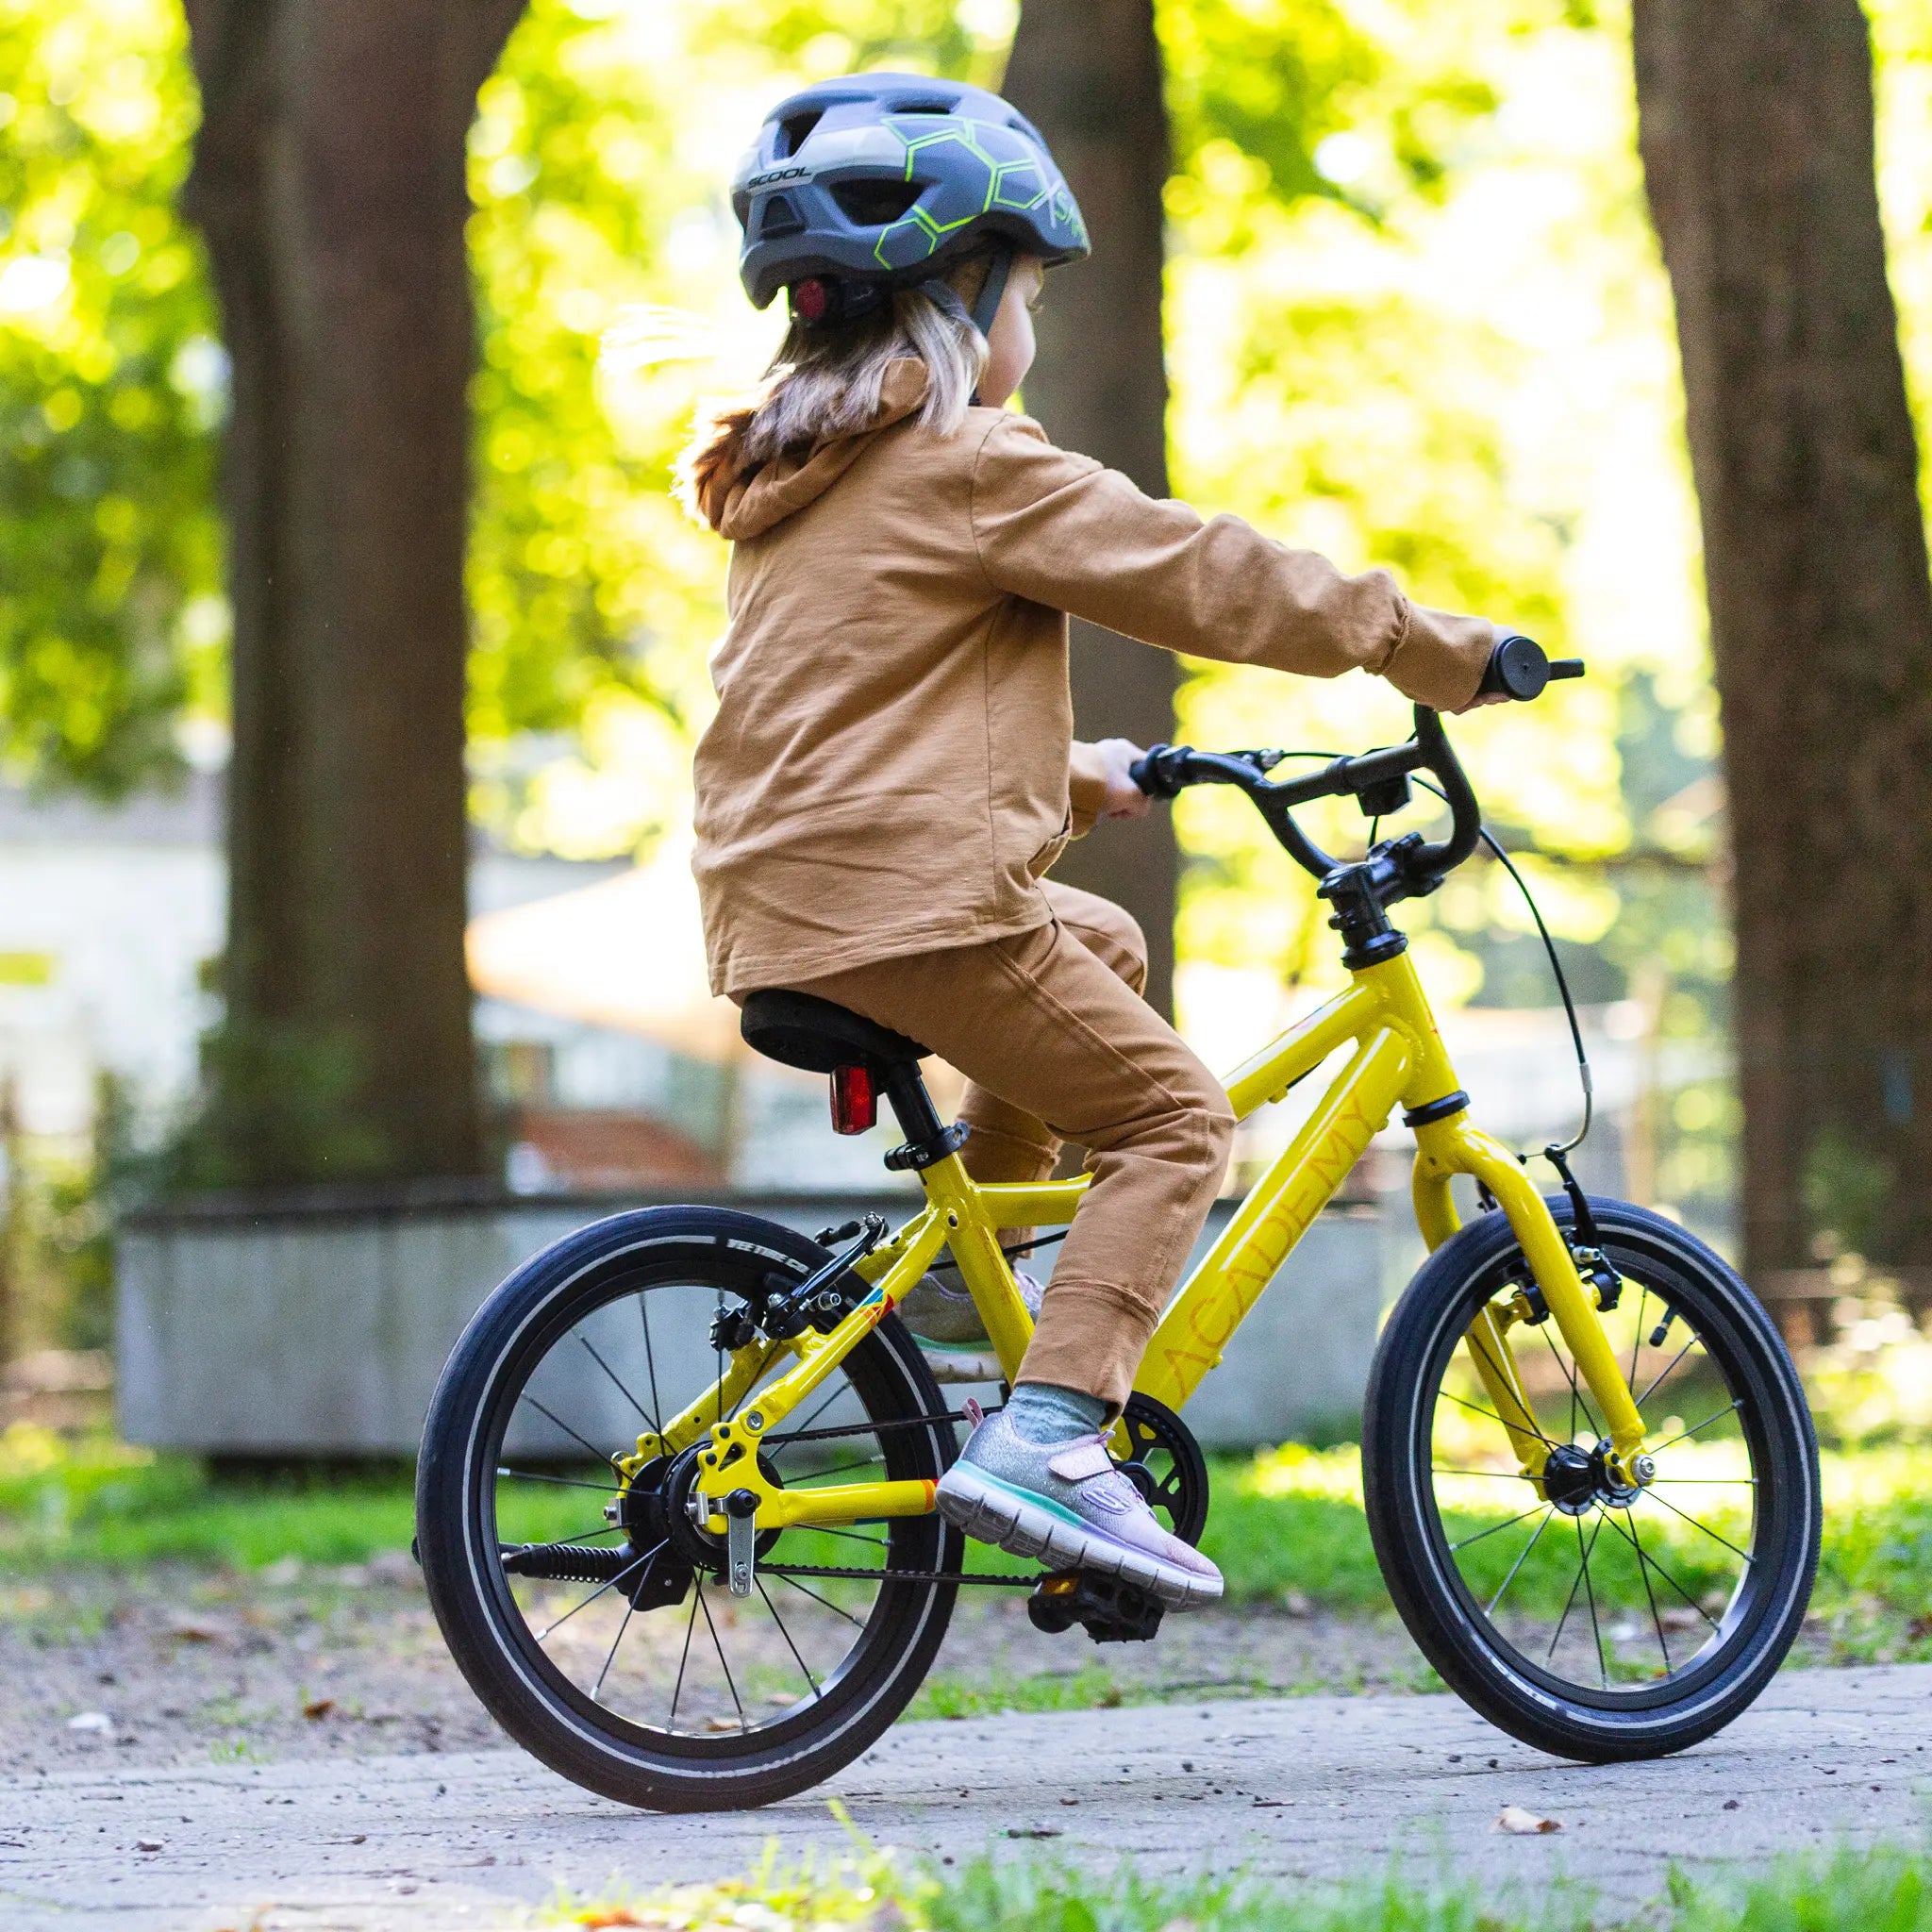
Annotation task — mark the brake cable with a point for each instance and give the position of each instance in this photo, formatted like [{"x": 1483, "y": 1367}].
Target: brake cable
[{"x": 1557, "y": 1152}]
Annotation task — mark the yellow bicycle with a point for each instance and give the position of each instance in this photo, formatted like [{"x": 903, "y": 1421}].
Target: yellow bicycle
[{"x": 674, "y": 1503}]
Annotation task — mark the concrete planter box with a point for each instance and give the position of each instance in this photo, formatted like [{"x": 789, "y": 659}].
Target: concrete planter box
[{"x": 317, "y": 1326}]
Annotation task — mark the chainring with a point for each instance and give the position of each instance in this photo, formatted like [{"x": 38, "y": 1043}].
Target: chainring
[{"x": 1157, "y": 1435}]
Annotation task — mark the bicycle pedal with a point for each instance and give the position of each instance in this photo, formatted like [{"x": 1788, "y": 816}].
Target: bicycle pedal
[{"x": 1110, "y": 1609}]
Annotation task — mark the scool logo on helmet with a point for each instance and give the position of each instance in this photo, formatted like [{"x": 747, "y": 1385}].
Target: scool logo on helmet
[{"x": 881, "y": 180}]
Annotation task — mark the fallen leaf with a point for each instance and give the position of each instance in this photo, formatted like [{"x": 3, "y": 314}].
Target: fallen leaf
[
  {"x": 1035, "y": 1831},
  {"x": 783, "y": 1699},
  {"x": 318, "y": 1706},
  {"x": 194, "y": 1629},
  {"x": 601, "y": 1917},
  {"x": 91, "y": 1720},
  {"x": 722, "y": 1723},
  {"x": 1110, "y": 1699},
  {"x": 1514, "y": 1818}
]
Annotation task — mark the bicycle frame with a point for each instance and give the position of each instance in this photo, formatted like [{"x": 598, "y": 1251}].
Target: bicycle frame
[{"x": 1398, "y": 1058}]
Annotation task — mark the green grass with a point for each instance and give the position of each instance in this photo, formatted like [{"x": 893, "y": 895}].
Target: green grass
[
  {"x": 1285, "y": 1523},
  {"x": 1886, "y": 1889}
]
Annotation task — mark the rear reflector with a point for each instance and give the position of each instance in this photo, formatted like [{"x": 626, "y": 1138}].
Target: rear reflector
[{"x": 855, "y": 1105}]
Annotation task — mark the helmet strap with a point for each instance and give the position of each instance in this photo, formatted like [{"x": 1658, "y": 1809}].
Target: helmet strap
[{"x": 991, "y": 295}]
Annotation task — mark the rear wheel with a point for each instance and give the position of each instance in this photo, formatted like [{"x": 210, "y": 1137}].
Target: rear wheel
[
  {"x": 1593, "y": 1618},
  {"x": 587, "y": 1609}
]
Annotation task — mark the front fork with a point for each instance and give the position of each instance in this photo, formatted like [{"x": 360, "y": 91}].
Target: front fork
[{"x": 1449, "y": 1147}]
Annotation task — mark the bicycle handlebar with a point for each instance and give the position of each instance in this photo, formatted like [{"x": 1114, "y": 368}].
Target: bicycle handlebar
[{"x": 1377, "y": 779}]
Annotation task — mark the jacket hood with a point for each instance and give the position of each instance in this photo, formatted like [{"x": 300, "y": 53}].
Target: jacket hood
[{"x": 738, "y": 503}]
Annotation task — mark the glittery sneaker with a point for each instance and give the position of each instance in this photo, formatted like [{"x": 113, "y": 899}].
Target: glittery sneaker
[
  {"x": 1069, "y": 1505},
  {"x": 951, "y": 1334}
]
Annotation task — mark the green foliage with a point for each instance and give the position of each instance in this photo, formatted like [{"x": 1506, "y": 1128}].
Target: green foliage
[{"x": 109, "y": 387}]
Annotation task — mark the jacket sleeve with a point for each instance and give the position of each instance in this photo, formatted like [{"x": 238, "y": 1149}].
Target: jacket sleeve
[
  {"x": 1062, "y": 530},
  {"x": 1085, "y": 786}
]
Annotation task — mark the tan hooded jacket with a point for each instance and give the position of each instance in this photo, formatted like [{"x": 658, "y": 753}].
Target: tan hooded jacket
[{"x": 892, "y": 768}]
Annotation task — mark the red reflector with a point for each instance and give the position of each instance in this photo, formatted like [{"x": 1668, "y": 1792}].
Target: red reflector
[{"x": 855, "y": 1105}]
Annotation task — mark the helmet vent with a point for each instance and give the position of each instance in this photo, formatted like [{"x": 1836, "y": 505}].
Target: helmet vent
[
  {"x": 795, "y": 131},
  {"x": 873, "y": 204},
  {"x": 918, "y": 106},
  {"x": 779, "y": 218}
]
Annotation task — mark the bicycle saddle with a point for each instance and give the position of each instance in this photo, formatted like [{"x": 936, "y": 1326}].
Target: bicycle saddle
[{"x": 798, "y": 1029}]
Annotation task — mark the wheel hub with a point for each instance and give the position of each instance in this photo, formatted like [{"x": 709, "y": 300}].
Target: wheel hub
[
  {"x": 1576, "y": 1479},
  {"x": 697, "y": 1545}
]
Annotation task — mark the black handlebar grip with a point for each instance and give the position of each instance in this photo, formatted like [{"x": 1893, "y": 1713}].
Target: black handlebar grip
[{"x": 1517, "y": 669}]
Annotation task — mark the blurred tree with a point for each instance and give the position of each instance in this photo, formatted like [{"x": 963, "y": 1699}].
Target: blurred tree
[
  {"x": 109, "y": 383},
  {"x": 329, "y": 182},
  {"x": 1757, "y": 142},
  {"x": 1088, "y": 73}
]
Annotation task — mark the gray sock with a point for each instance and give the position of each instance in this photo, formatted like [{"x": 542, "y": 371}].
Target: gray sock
[{"x": 1041, "y": 1412}]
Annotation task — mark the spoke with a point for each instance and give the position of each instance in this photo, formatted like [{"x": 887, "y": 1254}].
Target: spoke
[
  {"x": 778, "y": 1445},
  {"x": 1515, "y": 1386},
  {"x": 1701, "y": 1482},
  {"x": 1663, "y": 1643},
  {"x": 1474, "y": 1409},
  {"x": 1644, "y": 1555},
  {"x": 531, "y": 1475},
  {"x": 787, "y": 1636},
  {"x": 743, "y": 1724},
  {"x": 650, "y": 1364},
  {"x": 551, "y": 1542},
  {"x": 852, "y": 1535},
  {"x": 610, "y": 1584},
  {"x": 1636, "y": 1341},
  {"x": 1495, "y": 1528},
  {"x": 677, "y": 1688},
  {"x": 614, "y": 1382},
  {"x": 857, "y": 1622},
  {"x": 1651, "y": 1388},
  {"x": 1549, "y": 1510},
  {"x": 1684, "y": 1434},
  {"x": 526, "y": 1396},
  {"x": 1707, "y": 1529},
  {"x": 1577, "y": 1394},
  {"x": 629, "y": 1612},
  {"x": 1570, "y": 1603},
  {"x": 1508, "y": 1475},
  {"x": 1590, "y": 1596},
  {"x": 825, "y": 1475}
]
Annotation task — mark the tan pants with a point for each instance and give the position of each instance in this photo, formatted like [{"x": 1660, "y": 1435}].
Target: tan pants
[{"x": 1049, "y": 1026}]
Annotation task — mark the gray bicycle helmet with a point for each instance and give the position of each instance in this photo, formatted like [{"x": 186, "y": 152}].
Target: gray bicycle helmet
[{"x": 879, "y": 181}]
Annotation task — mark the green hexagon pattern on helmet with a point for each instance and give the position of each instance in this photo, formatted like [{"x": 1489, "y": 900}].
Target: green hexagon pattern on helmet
[{"x": 885, "y": 177}]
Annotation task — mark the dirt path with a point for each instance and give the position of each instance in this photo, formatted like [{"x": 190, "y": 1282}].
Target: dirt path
[
  {"x": 182, "y": 1666},
  {"x": 1317, "y": 1786}
]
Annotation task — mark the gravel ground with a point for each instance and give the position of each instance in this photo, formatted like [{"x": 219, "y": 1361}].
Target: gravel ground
[{"x": 180, "y": 1665}]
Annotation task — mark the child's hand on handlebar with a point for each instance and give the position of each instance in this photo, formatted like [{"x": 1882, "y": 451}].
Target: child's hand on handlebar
[{"x": 1125, "y": 799}]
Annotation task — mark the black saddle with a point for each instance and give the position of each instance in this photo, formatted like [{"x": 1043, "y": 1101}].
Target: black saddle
[{"x": 797, "y": 1029}]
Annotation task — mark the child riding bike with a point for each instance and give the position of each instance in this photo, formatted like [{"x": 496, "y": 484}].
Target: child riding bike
[{"x": 891, "y": 770}]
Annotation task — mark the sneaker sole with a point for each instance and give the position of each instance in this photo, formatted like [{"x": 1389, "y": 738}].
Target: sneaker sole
[{"x": 1026, "y": 1526}]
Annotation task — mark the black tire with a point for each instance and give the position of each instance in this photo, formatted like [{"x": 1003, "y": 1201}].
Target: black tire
[
  {"x": 572, "y": 1289},
  {"x": 1661, "y": 1701}
]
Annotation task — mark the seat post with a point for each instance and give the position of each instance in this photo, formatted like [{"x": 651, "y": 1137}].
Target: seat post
[{"x": 928, "y": 1138}]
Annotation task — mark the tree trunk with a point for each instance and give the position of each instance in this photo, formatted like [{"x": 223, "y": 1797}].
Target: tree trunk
[
  {"x": 1088, "y": 73},
  {"x": 329, "y": 182},
  {"x": 1756, "y": 133}
]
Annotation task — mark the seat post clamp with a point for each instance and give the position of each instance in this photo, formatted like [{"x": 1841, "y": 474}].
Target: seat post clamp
[{"x": 929, "y": 1152}]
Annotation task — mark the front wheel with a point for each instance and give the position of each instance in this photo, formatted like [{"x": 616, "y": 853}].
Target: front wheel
[{"x": 1586, "y": 1617}]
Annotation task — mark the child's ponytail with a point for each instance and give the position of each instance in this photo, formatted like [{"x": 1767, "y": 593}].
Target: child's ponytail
[{"x": 826, "y": 381}]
